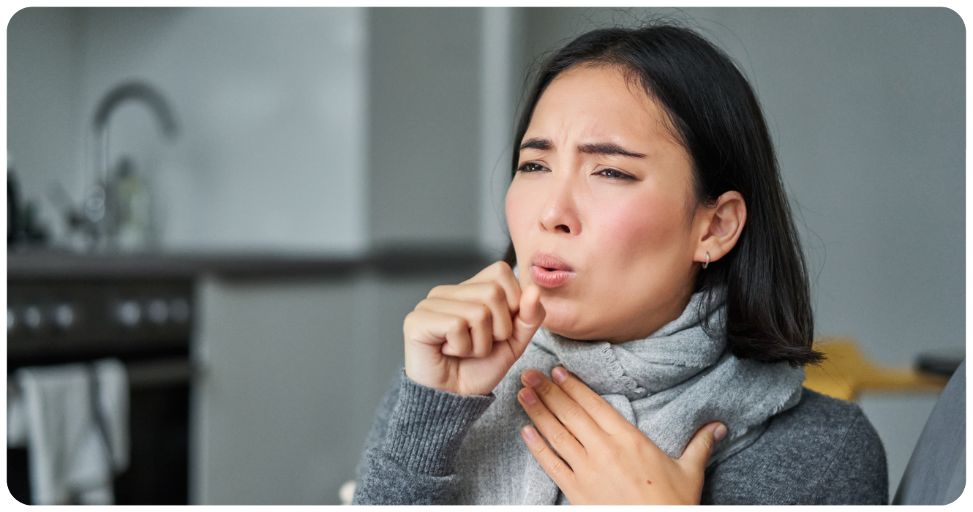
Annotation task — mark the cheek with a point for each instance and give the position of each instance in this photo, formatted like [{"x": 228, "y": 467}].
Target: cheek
[
  {"x": 638, "y": 228},
  {"x": 521, "y": 214},
  {"x": 516, "y": 210}
]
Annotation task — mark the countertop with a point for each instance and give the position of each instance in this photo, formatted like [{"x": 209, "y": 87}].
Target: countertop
[{"x": 31, "y": 264}]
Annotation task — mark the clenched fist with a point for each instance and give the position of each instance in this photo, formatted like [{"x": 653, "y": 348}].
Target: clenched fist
[{"x": 463, "y": 338}]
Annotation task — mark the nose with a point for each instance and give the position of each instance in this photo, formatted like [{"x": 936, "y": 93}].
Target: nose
[{"x": 560, "y": 213}]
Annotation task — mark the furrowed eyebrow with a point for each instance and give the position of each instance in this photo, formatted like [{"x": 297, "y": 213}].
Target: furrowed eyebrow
[
  {"x": 536, "y": 143},
  {"x": 597, "y": 148},
  {"x": 608, "y": 148}
]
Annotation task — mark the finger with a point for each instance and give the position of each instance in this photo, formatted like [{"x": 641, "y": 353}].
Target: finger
[
  {"x": 501, "y": 273},
  {"x": 529, "y": 318},
  {"x": 607, "y": 418},
  {"x": 477, "y": 315},
  {"x": 491, "y": 294},
  {"x": 563, "y": 442},
  {"x": 553, "y": 465},
  {"x": 564, "y": 409},
  {"x": 449, "y": 331},
  {"x": 696, "y": 455}
]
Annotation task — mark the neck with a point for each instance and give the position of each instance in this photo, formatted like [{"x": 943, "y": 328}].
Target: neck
[{"x": 652, "y": 323}]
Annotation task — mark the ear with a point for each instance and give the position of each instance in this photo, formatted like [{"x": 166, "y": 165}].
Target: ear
[{"x": 719, "y": 226}]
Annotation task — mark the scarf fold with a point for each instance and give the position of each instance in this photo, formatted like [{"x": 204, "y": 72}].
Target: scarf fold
[{"x": 668, "y": 384}]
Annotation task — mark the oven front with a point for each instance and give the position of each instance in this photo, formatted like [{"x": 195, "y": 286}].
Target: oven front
[{"x": 144, "y": 324}]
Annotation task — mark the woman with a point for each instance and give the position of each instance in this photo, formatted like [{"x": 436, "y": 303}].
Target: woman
[{"x": 655, "y": 274}]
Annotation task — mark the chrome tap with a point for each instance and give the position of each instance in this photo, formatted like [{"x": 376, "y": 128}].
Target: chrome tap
[{"x": 97, "y": 216}]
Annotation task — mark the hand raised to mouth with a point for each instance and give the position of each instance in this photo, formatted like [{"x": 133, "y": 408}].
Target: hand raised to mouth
[{"x": 464, "y": 338}]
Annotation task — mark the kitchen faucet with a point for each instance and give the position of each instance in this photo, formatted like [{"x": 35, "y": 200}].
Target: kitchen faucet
[{"x": 98, "y": 215}]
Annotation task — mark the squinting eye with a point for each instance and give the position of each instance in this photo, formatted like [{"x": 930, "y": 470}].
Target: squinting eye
[
  {"x": 530, "y": 167},
  {"x": 615, "y": 174}
]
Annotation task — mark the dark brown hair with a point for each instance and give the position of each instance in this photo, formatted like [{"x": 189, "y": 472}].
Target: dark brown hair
[{"x": 715, "y": 115}]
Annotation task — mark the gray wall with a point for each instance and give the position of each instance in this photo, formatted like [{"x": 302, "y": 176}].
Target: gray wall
[
  {"x": 271, "y": 105},
  {"x": 425, "y": 128},
  {"x": 44, "y": 135},
  {"x": 866, "y": 107},
  {"x": 440, "y": 118}
]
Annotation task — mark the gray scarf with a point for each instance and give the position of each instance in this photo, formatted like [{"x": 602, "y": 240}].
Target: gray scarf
[{"x": 669, "y": 384}]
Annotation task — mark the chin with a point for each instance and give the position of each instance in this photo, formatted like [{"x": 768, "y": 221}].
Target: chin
[
  {"x": 561, "y": 316},
  {"x": 560, "y": 323},
  {"x": 563, "y": 321}
]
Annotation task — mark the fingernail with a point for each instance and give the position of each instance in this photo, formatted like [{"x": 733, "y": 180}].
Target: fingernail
[
  {"x": 529, "y": 433},
  {"x": 533, "y": 378},
  {"x": 528, "y": 396},
  {"x": 559, "y": 374},
  {"x": 720, "y": 432}
]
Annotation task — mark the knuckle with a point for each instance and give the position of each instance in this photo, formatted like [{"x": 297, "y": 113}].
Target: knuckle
[
  {"x": 539, "y": 448},
  {"x": 482, "y": 316},
  {"x": 633, "y": 436},
  {"x": 436, "y": 291},
  {"x": 412, "y": 317},
  {"x": 611, "y": 449},
  {"x": 561, "y": 438},
  {"x": 458, "y": 324},
  {"x": 598, "y": 447},
  {"x": 494, "y": 292},
  {"x": 573, "y": 410},
  {"x": 624, "y": 437},
  {"x": 503, "y": 268}
]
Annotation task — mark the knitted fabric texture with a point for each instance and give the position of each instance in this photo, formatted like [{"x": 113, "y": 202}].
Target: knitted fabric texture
[{"x": 669, "y": 385}]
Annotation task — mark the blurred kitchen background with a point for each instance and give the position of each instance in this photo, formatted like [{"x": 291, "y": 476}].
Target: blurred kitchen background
[{"x": 242, "y": 204}]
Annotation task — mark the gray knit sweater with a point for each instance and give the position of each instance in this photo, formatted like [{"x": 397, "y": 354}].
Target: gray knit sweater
[{"x": 822, "y": 451}]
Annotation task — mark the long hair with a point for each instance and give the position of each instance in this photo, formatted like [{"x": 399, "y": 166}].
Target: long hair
[{"x": 714, "y": 113}]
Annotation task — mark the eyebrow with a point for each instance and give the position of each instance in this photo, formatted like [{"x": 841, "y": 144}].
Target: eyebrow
[{"x": 597, "y": 148}]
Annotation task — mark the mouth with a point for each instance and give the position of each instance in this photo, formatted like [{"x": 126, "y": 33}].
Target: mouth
[
  {"x": 549, "y": 271},
  {"x": 550, "y": 262}
]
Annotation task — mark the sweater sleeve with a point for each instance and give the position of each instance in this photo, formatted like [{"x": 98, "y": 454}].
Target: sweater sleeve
[{"x": 410, "y": 451}]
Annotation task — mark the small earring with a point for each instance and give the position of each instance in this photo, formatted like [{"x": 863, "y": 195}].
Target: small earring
[{"x": 707, "y": 260}]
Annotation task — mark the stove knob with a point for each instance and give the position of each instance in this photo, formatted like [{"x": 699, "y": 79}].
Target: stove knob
[
  {"x": 179, "y": 310},
  {"x": 64, "y": 316},
  {"x": 158, "y": 311},
  {"x": 33, "y": 318},
  {"x": 128, "y": 313}
]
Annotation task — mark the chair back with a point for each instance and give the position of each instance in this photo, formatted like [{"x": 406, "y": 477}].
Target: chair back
[{"x": 936, "y": 472}]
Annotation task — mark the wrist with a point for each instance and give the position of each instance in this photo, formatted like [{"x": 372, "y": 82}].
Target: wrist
[{"x": 427, "y": 425}]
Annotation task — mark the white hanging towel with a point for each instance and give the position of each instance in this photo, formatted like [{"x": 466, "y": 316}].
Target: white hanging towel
[{"x": 76, "y": 422}]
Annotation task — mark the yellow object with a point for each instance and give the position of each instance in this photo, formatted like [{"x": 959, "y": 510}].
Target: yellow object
[{"x": 845, "y": 373}]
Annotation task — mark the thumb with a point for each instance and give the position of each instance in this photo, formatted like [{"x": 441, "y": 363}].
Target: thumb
[
  {"x": 529, "y": 318},
  {"x": 697, "y": 453}
]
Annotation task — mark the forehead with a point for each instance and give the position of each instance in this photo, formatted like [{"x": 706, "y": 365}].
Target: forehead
[{"x": 599, "y": 102}]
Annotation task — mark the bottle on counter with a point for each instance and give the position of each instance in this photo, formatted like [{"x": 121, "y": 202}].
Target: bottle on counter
[{"x": 134, "y": 208}]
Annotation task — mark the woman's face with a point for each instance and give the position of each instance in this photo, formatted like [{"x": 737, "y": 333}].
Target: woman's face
[{"x": 603, "y": 186}]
